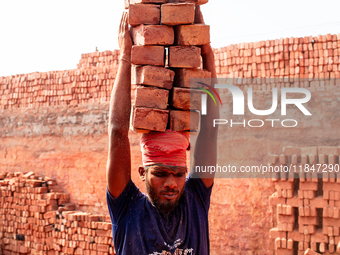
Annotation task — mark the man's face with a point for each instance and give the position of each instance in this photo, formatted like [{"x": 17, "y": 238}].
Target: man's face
[{"x": 165, "y": 186}]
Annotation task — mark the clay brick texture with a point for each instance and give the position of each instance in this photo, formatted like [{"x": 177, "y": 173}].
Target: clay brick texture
[
  {"x": 153, "y": 35},
  {"x": 177, "y": 13},
  {"x": 148, "y": 14},
  {"x": 168, "y": 47},
  {"x": 37, "y": 218},
  {"x": 153, "y": 76},
  {"x": 307, "y": 207},
  {"x": 313, "y": 57},
  {"x": 197, "y": 34}
]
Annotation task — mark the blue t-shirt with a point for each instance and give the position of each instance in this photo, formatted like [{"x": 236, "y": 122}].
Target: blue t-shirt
[{"x": 139, "y": 228}]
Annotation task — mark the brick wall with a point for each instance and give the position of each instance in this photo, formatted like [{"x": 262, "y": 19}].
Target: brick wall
[
  {"x": 68, "y": 141},
  {"x": 307, "y": 202}
]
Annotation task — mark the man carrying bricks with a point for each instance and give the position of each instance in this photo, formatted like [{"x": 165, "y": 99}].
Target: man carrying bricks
[{"x": 173, "y": 217}]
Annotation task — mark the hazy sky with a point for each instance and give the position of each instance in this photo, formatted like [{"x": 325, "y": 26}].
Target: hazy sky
[{"x": 46, "y": 35}]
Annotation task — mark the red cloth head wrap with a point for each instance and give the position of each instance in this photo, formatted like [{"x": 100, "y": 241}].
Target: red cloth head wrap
[{"x": 168, "y": 148}]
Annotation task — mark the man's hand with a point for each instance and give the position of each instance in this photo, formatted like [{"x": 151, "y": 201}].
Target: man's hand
[
  {"x": 206, "y": 50},
  {"x": 118, "y": 171},
  {"x": 124, "y": 37}
]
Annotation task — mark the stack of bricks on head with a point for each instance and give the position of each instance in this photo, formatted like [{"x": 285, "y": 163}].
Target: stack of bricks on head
[
  {"x": 37, "y": 218},
  {"x": 307, "y": 201},
  {"x": 166, "y": 53}
]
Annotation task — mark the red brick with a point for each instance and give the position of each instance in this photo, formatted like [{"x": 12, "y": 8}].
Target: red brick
[
  {"x": 308, "y": 186},
  {"x": 284, "y": 252},
  {"x": 184, "y": 120},
  {"x": 277, "y": 243},
  {"x": 150, "y": 119},
  {"x": 184, "y": 57},
  {"x": 275, "y": 200},
  {"x": 148, "y": 14},
  {"x": 308, "y": 220},
  {"x": 275, "y": 233},
  {"x": 286, "y": 218},
  {"x": 319, "y": 237},
  {"x": 186, "y": 99},
  {"x": 147, "y": 55},
  {"x": 327, "y": 186},
  {"x": 328, "y": 150},
  {"x": 177, "y": 13},
  {"x": 23, "y": 249},
  {"x": 284, "y": 185},
  {"x": 183, "y": 76},
  {"x": 152, "y": 35},
  {"x": 197, "y": 2},
  {"x": 296, "y": 236},
  {"x": 104, "y": 233},
  {"x": 26, "y": 176},
  {"x": 148, "y": 1},
  {"x": 290, "y": 151},
  {"x": 330, "y": 222},
  {"x": 294, "y": 201},
  {"x": 152, "y": 76},
  {"x": 318, "y": 202},
  {"x": 103, "y": 247},
  {"x": 290, "y": 244},
  {"x": 197, "y": 34},
  {"x": 310, "y": 252},
  {"x": 50, "y": 214},
  {"x": 151, "y": 97}
]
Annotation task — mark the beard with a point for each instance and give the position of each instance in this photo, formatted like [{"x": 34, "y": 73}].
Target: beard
[{"x": 167, "y": 206}]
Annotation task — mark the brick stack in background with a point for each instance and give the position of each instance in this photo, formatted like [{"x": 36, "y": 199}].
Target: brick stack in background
[
  {"x": 315, "y": 58},
  {"x": 165, "y": 55},
  {"x": 91, "y": 83},
  {"x": 108, "y": 59},
  {"x": 37, "y": 218},
  {"x": 80, "y": 233},
  {"x": 307, "y": 204}
]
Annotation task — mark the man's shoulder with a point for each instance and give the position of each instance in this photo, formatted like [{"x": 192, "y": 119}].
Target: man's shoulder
[
  {"x": 195, "y": 182},
  {"x": 197, "y": 192},
  {"x": 130, "y": 193}
]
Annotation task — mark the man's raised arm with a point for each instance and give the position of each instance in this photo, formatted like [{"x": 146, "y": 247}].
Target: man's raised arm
[
  {"x": 118, "y": 171},
  {"x": 206, "y": 144}
]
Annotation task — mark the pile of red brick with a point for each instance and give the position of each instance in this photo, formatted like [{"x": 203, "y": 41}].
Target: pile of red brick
[
  {"x": 307, "y": 201},
  {"x": 165, "y": 55},
  {"x": 82, "y": 233},
  {"x": 71, "y": 87},
  {"x": 315, "y": 58},
  {"x": 37, "y": 218},
  {"x": 108, "y": 59}
]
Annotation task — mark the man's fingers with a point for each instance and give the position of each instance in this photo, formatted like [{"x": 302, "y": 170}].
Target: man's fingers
[
  {"x": 198, "y": 15},
  {"x": 121, "y": 24},
  {"x": 124, "y": 24},
  {"x": 126, "y": 20}
]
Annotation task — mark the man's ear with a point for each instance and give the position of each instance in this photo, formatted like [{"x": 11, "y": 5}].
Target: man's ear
[{"x": 142, "y": 173}]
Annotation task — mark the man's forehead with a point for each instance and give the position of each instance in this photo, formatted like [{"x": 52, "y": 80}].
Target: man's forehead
[{"x": 167, "y": 168}]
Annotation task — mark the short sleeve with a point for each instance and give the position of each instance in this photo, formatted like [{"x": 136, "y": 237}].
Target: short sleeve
[
  {"x": 197, "y": 186},
  {"x": 119, "y": 206}
]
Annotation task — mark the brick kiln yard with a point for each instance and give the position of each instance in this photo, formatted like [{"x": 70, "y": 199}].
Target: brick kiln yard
[{"x": 53, "y": 151}]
